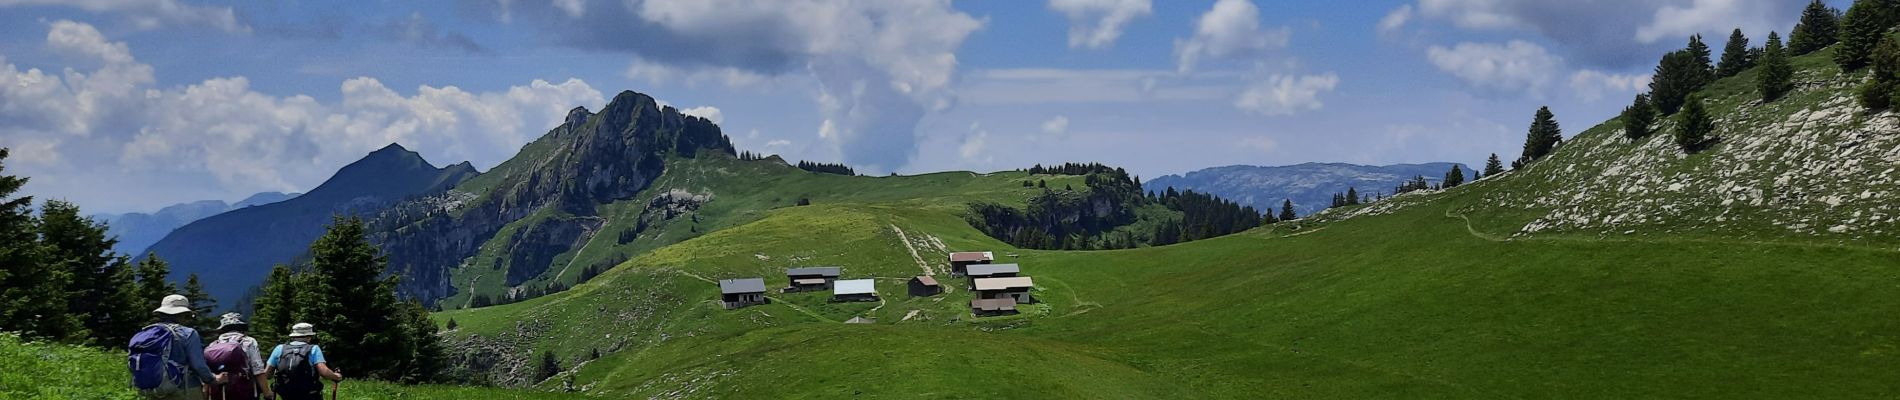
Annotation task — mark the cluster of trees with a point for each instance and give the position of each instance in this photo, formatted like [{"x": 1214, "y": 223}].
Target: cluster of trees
[
  {"x": 343, "y": 290},
  {"x": 1100, "y": 217},
  {"x": 751, "y": 156},
  {"x": 1349, "y": 198},
  {"x": 60, "y": 281},
  {"x": 1866, "y": 40},
  {"x": 1410, "y": 185},
  {"x": 825, "y": 168}
]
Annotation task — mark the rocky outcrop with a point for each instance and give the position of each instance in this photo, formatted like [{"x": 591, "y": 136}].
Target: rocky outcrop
[{"x": 590, "y": 160}]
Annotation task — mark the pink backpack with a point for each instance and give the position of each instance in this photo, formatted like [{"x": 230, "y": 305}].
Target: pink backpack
[{"x": 228, "y": 356}]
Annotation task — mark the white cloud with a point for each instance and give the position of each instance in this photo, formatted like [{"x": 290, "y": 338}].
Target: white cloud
[
  {"x": 710, "y": 113},
  {"x": 82, "y": 40},
  {"x": 1096, "y": 24},
  {"x": 973, "y": 143},
  {"x": 1230, "y": 29},
  {"x": 1592, "y": 85},
  {"x": 1056, "y": 128},
  {"x": 1515, "y": 66},
  {"x": 1049, "y": 85},
  {"x": 122, "y": 133},
  {"x": 573, "y": 8},
  {"x": 1395, "y": 19},
  {"x": 150, "y": 14},
  {"x": 1599, "y": 33},
  {"x": 879, "y": 65},
  {"x": 658, "y": 74},
  {"x": 1714, "y": 17},
  {"x": 1286, "y": 94},
  {"x": 778, "y": 143}
]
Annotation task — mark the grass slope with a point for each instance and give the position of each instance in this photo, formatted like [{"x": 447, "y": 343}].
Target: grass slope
[{"x": 1426, "y": 295}]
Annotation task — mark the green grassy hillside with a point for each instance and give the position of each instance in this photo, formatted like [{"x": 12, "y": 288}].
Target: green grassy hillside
[{"x": 1426, "y": 295}]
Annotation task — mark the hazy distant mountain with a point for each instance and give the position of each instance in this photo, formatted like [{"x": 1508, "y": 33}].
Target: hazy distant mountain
[
  {"x": 1311, "y": 185},
  {"x": 136, "y": 231},
  {"x": 233, "y": 251}
]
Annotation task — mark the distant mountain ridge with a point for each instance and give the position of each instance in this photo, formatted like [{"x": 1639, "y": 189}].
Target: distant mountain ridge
[
  {"x": 138, "y": 231},
  {"x": 1311, "y": 185},
  {"x": 233, "y": 251}
]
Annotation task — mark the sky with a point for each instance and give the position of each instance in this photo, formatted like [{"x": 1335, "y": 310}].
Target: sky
[{"x": 131, "y": 105}]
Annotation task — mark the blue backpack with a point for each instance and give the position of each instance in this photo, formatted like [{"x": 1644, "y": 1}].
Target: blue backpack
[{"x": 150, "y": 359}]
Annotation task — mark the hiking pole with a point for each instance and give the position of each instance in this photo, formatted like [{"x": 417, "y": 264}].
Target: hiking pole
[{"x": 335, "y": 386}]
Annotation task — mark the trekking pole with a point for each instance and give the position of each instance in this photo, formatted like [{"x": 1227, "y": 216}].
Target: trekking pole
[{"x": 335, "y": 386}]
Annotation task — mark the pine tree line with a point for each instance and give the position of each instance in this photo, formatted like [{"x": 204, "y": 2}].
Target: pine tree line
[
  {"x": 60, "y": 280},
  {"x": 826, "y": 168}
]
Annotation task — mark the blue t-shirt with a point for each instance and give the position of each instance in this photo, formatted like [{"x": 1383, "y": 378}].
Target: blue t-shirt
[{"x": 316, "y": 354}]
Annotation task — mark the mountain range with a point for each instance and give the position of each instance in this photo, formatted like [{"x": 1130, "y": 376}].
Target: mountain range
[
  {"x": 233, "y": 251},
  {"x": 137, "y": 231},
  {"x": 1310, "y": 186}
]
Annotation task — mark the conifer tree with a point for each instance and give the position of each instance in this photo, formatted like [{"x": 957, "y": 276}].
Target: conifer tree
[
  {"x": 275, "y": 308},
  {"x": 1861, "y": 29},
  {"x": 100, "y": 293},
  {"x": 1878, "y": 93},
  {"x": 1493, "y": 166},
  {"x": 153, "y": 281},
  {"x": 1454, "y": 177},
  {"x": 1352, "y": 196},
  {"x": 1735, "y": 57},
  {"x": 1693, "y": 126},
  {"x": 1639, "y": 119},
  {"x": 426, "y": 355},
  {"x": 1819, "y": 28},
  {"x": 348, "y": 296},
  {"x": 202, "y": 305},
  {"x": 31, "y": 292},
  {"x": 1543, "y": 136},
  {"x": 1680, "y": 73},
  {"x": 550, "y": 366},
  {"x": 1286, "y": 211},
  {"x": 1777, "y": 74}
]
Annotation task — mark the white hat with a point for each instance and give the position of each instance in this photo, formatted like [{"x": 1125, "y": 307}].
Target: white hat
[
  {"x": 302, "y": 329},
  {"x": 174, "y": 305}
]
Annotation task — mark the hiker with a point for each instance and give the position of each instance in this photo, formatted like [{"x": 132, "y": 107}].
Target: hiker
[
  {"x": 236, "y": 353},
  {"x": 295, "y": 366},
  {"x": 167, "y": 359}
]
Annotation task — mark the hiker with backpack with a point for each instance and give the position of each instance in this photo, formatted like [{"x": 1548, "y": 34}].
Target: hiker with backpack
[
  {"x": 167, "y": 358},
  {"x": 294, "y": 367},
  {"x": 236, "y": 354}
]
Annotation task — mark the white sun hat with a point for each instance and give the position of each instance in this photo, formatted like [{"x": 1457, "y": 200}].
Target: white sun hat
[
  {"x": 303, "y": 329},
  {"x": 174, "y": 305}
]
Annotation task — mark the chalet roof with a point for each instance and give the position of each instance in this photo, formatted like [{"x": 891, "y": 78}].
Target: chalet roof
[
  {"x": 968, "y": 256},
  {"x": 926, "y": 280},
  {"x": 997, "y": 304},
  {"x": 854, "y": 286},
  {"x": 831, "y": 272},
  {"x": 1017, "y": 282},
  {"x": 993, "y": 269},
  {"x": 736, "y": 286}
]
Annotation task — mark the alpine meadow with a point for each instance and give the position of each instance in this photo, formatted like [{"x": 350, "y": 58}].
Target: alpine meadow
[{"x": 1113, "y": 199}]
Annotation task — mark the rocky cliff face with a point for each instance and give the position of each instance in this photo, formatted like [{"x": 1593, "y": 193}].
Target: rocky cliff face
[{"x": 550, "y": 190}]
